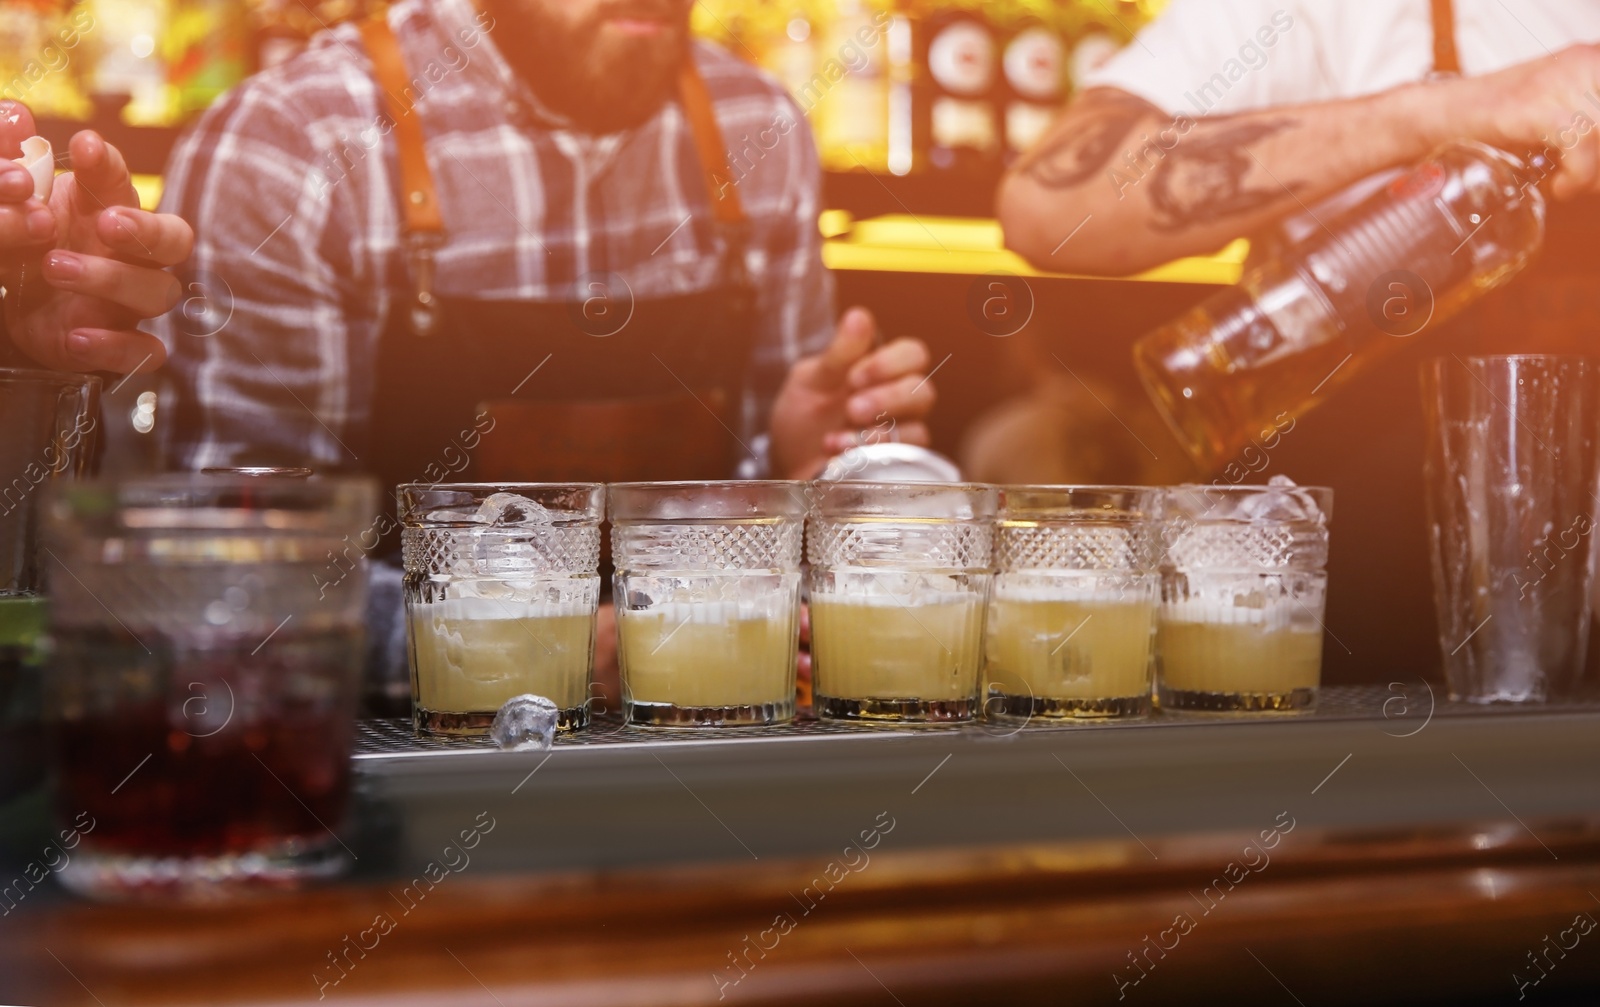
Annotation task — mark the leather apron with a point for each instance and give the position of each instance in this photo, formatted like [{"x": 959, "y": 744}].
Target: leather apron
[{"x": 602, "y": 387}]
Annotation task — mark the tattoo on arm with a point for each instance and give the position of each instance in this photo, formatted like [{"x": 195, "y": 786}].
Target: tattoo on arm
[
  {"x": 1086, "y": 139},
  {"x": 1203, "y": 179}
]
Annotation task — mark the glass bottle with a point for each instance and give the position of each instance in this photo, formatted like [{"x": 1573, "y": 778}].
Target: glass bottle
[
  {"x": 1033, "y": 67},
  {"x": 1304, "y": 323},
  {"x": 955, "y": 87},
  {"x": 847, "y": 98}
]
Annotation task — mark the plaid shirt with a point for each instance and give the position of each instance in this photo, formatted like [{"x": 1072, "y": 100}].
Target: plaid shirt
[{"x": 291, "y": 185}]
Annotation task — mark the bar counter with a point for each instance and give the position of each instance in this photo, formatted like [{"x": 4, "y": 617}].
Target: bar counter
[{"x": 1389, "y": 847}]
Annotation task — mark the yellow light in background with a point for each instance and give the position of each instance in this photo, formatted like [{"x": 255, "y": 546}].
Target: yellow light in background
[
  {"x": 971, "y": 246},
  {"x": 149, "y": 189},
  {"x": 834, "y": 223},
  {"x": 120, "y": 57}
]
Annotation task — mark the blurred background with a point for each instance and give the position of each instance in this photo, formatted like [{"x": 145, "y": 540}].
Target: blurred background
[
  {"x": 156, "y": 64},
  {"x": 914, "y": 132}
]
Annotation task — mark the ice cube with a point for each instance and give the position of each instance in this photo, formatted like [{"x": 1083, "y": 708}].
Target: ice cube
[
  {"x": 501, "y": 509},
  {"x": 1281, "y": 500},
  {"x": 525, "y": 723},
  {"x": 451, "y": 516},
  {"x": 486, "y": 588}
]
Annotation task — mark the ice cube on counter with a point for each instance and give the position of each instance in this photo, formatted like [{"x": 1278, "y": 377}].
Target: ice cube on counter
[{"x": 525, "y": 723}]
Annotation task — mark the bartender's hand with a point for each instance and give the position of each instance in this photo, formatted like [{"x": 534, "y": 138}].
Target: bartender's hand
[
  {"x": 1549, "y": 101},
  {"x": 850, "y": 394},
  {"x": 91, "y": 263}
]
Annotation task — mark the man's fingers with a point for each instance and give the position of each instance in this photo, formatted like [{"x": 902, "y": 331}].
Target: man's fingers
[
  {"x": 25, "y": 225},
  {"x": 160, "y": 238},
  {"x": 840, "y": 441},
  {"x": 1575, "y": 169},
  {"x": 117, "y": 352},
  {"x": 16, "y": 125},
  {"x": 16, "y": 184},
  {"x": 910, "y": 397},
  {"x": 901, "y": 357},
  {"x": 851, "y": 341},
  {"x": 914, "y": 433},
  {"x": 100, "y": 174},
  {"x": 144, "y": 291},
  {"x": 1580, "y": 167}
]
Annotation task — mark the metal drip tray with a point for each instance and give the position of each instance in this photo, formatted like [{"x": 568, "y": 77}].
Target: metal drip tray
[
  {"x": 1404, "y": 706},
  {"x": 1369, "y": 757}
]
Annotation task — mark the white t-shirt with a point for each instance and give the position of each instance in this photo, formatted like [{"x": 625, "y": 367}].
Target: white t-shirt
[{"x": 1226, "y": 56}]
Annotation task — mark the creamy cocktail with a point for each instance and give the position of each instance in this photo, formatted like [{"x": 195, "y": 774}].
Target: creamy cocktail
[
  {"x": 1072, "y": 624},
  {"x": 1068, "y": 657},
  {"x": 685, "y": 662},
  {"x": 1244, "y": 588},
  {"x": 1251, "y": 662},
  {"x": 708, "y": 601},
  {"x": 501, "y": 586},
  {"x": 879, "y": 655},
  {"x": 470, "y": 655},
  {"x": 900, "y": 578}
]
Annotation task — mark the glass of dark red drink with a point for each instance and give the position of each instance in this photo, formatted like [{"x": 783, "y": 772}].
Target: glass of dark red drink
[{"x": 204, "y": 679}]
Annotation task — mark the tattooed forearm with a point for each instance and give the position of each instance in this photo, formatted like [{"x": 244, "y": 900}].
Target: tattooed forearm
[
  {"x": 1204, "y": 179},
  {"x": 1086, "y": 139}
]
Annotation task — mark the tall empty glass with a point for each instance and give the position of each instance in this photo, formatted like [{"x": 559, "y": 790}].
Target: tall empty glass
[
  {"x": 1511, "y": 473},
  {"x": 1244, "y": 588},
  {"x": 204, "y": 679},
  {"x": 48, "y": 421},
  {"x": 1072, "y": 622},
  {"x": 900, "y": 577},
  {"x": 708, "y": 600},
  {"x": 501, "y": 585}
]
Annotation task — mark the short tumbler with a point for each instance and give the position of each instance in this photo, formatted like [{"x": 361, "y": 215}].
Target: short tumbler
[
  {"x": 707, "y": 587},
  {"x": 205, "y": 679},
  {"x": 1244, "y": 587},
  {"x": 501, "y": 586},
  {"x": 900, "y": 577},
  {"x": 1072, "y": 623}
]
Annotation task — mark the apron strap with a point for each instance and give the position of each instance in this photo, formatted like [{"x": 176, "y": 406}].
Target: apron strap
[
  {"x": 727, "y": 208},
  {"x": 420, "y": 202},
  {"x": 1446, "y": 60},
  {"x": 422, "y": 226},
  {"x": 708, "y": 143}
]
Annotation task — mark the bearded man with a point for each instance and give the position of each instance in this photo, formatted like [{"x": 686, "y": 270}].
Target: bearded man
[{"x": 504, "y": 239}]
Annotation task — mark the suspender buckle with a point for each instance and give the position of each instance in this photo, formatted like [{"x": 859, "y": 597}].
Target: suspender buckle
[{"x": 420, "y": 246}]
